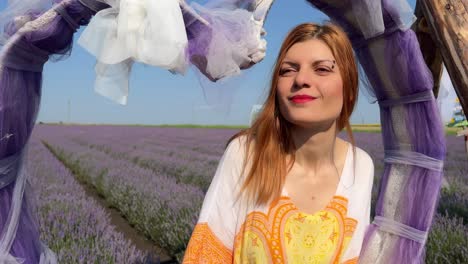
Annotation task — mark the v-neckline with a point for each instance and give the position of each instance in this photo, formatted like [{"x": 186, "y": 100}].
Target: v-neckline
[{"x": 285, "y": 193}]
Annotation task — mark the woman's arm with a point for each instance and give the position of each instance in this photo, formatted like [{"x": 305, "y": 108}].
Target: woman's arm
[
  {"x": 360, "y": 204},
  {"x": 212, "y": 239}
]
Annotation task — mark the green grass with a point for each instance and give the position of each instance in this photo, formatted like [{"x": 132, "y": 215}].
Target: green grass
[{"x": 370, "y": 128}]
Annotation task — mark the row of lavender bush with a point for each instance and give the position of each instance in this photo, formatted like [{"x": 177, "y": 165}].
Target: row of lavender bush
[
  {"x": 155, "y": 204},
  {"x": 72, "y": 224},
  {"x": 188, "y": 155}
]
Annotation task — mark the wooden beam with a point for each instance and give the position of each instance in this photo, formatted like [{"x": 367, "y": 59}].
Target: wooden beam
[
  {"x": 448, "y": 22},
  {"x": 429, "y": 49}
]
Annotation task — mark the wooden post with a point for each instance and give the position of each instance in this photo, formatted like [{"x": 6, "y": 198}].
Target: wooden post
[
  {"x": 466, "y": 144},
  {"x": 448, "y": 22},
  {"x": 429, "y": 49},
  {"x": 464, "y": 133}
]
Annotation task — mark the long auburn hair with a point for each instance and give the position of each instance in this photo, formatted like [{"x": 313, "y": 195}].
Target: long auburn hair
[{"x": 271, "y": 132}]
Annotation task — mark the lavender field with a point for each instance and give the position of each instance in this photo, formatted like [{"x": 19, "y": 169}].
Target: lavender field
[
  {"x": 156, "y": 177},
  {"x": 70, "y": 223}
]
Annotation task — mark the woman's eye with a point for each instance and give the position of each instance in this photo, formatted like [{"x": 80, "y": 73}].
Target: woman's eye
[
  {"x": 285, "y": 71},
  {"x": 322, "y": 69}
]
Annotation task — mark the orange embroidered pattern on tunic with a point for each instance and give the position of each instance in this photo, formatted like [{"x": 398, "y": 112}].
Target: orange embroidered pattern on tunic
[
  {"x": 352, "y": 261},
  {"x": 205, "y": 247},
  {"x": 287, "y": 235}
]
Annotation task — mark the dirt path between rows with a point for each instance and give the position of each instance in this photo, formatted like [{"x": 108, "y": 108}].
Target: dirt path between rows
[{"x": 155, "y": 254}]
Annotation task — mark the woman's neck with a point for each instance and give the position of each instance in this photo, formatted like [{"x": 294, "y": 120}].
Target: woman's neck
[{"x": 316, "y": 146}]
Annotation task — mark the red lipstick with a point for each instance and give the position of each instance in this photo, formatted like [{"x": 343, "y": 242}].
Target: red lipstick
[{"x": 302, "y": 98}]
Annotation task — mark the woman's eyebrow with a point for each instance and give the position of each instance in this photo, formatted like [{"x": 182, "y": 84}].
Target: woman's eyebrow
[
  {"x": 294, "y": 64},
  {"x": 320, "y": 61}
]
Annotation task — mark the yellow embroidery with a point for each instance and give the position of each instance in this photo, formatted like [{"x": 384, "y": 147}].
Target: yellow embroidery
[{"x": 286, "y": 233}]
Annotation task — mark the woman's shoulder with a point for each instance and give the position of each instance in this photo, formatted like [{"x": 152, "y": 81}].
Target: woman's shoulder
[
  {"x": 237, "y": 143},
  {"x": 234, "y": 154},
  {"x": 363, "y": 157},
  {"x": 364, "y": 165},
  {"x": 236, "y": 149}
]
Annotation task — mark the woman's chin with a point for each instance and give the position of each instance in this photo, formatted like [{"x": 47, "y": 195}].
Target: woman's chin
[{"x": 318, "y": 123}]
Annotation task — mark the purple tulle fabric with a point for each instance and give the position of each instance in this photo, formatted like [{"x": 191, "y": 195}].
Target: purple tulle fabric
[{"x": 20, "y": 93}]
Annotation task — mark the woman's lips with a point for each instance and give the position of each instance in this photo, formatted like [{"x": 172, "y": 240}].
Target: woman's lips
[{"x": 301, "y": 100}]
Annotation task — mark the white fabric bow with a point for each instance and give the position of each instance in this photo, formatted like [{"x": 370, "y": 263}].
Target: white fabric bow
[{"x": 146, "y": 31}]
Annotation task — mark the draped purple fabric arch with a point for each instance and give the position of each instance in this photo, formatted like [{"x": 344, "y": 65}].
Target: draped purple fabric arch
[{"x": 387, "y": 49}]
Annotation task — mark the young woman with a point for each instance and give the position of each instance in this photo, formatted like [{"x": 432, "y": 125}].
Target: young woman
[{"x": 287, "y": 189}]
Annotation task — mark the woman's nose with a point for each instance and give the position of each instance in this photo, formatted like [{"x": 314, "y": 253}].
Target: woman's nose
[{"x": 304, "y": 78}]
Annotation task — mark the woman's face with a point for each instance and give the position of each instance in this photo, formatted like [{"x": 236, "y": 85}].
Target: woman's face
[{"x": 309, "y": 69}]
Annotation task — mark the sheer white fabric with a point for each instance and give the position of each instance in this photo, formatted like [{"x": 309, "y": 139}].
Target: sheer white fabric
[
  {"x": 369, "y": 17},
  {"x": 404, "y": 16},
  {"x": 146, "y": 31},
  {"x": 382, "y": 244},
  {"x": 236, "y": 40},
  {"x": 368, "y": 14},
  {"x": 112, "y": 80},
  {"x": 15, "y": 11},
  {"x": 153, "y": 32},
  {"x": 445, "y": 86},
  {"x": 261, "y": 9}
]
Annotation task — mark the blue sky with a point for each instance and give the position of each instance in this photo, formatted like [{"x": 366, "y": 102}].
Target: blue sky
[{"x": 159, "y": 97}]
